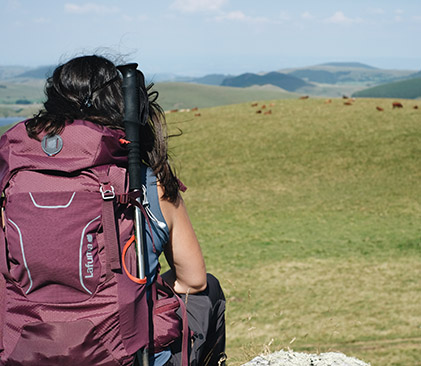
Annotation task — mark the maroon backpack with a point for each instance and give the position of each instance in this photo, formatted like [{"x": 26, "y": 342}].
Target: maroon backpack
[{"x": 67, "y": 299}]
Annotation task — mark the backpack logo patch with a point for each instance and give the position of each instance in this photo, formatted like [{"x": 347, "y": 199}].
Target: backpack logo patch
[
  {"x": 89, "y": 257},
  {"x": 52, "y": 145}
]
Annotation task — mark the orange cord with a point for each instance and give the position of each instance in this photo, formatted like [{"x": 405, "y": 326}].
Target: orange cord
[{"x": 140, "y": 281}]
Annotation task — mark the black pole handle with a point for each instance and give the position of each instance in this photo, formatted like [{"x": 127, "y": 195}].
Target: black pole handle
[{"x": 133, "y": 107}]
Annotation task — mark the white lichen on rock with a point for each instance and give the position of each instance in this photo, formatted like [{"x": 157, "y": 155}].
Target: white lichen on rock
[{"x": 290, "y": 358}]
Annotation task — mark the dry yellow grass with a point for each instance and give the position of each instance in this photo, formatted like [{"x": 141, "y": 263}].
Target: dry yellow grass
[{"x": 365, "y": 308}]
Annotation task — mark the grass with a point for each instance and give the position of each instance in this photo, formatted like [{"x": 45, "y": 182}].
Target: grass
[
  {"x": 310, "y": 218},
  {"x": 21, "y": 89},
  {"x": 19, "y": 110}
]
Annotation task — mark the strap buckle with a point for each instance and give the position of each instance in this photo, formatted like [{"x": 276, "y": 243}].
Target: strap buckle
[{"x": 107, "y": 191}]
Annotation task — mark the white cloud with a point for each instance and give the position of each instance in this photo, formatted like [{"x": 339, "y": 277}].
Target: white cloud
[
  {"x": 307, "y": 15},
  {"x": 238, "y": 15},
  {"x": 284, "y": 16},
  {"x": 340, "y": 18},
  {"x": 193, "y": 6},
  {"x": 90, "y": 8},
  {"x": 135, "y": 18},
  {"x": 398, "y": 17},
  {"x": 42, "y": 20},
  {"x": 376, "y": 11},
  {"x": 14, "y": 4}
]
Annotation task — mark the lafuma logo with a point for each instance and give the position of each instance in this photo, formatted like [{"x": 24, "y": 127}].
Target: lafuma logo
[{"x": 89, "y": 257}]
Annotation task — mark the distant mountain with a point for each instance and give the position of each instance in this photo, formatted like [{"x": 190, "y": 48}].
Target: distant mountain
[
  {"x": 7, "y": 72},
  {"x": 347, "y": 73},
  {"x": 320, "y": 76},
  {"x": 211, "y": 79},
  {"x": 406, "y": 89},
  {"x": 415, "y": 76},
  {"x": 166, "y": 77},
  {"x": 357, "y": 65},
  {"x": 41, "y": 72},
  {"x": 284, "y": 81}
]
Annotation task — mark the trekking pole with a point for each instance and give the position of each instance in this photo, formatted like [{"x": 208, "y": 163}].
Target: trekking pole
[{"x": 133, "y": 119}]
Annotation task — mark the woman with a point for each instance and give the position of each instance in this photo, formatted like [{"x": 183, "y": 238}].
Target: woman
[{"x": 89, "y": 88}]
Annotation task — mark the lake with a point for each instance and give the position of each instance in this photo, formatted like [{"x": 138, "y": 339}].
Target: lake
[{"x": 9, "y": 120}]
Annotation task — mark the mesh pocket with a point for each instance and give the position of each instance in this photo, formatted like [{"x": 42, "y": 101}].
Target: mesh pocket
[{"x": 52, "y": 243}]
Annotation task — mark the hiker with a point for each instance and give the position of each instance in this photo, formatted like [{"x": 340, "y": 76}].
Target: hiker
[{"x": 78, "y": 133}]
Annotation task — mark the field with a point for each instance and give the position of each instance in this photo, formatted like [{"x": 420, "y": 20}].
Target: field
[
  {"x": 25, "y": 89},
  {"x": 310, "y": 218}
]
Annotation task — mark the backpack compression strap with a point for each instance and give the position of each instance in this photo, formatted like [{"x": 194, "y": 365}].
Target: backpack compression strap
[
  {"x": 3, "y": 252},
  {"x": 108, "y": 219}
]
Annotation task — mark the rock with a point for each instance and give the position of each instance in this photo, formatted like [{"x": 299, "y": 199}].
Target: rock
[{"x": 289, "y": 358}]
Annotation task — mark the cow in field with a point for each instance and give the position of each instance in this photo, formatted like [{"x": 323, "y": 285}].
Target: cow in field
[
  {"x": 380, "y": 109},
  {"x": 397, "y": 105}
]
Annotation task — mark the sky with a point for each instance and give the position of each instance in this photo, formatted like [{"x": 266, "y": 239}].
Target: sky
[{"x": 199, "y": 37}]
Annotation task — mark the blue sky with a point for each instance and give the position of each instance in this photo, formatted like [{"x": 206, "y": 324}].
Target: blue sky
[{"x": 197, "y": 37}]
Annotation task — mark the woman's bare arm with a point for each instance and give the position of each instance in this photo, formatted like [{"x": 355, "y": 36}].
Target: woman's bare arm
[{"x": 183, "y": 253}]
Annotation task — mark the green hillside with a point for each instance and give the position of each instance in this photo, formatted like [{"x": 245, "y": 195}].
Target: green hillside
[
  {"x": 305, "y": 217},
  {"x": 284, "y": 81},
  {"x": 186, "y": 95},
  {"x": 347, "y": 73},
  {"x": 7, "y": 72},
  {"x": 41, "y": 72},
  {"x": 406, "y": 89},
  {"x": 358, "y": 65},
  {"x": 12, "y": 91}
]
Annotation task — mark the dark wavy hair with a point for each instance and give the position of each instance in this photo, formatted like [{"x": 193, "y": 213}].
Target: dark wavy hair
[{"x": 90, "y": 88}]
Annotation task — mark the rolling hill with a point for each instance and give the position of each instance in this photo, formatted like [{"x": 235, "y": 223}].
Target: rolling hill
[
  {"x": 357, "y": 65},
  {"x": 189, "y": 95},
  {"x": 20, "y": 86},
  {"x": 284, "y": 81},
  {"x": 348, "y": 73},
  {"x": 7, "y": 72},
  {"x": 41, "y": 72},
  {"x": 406, "y": 89}
]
